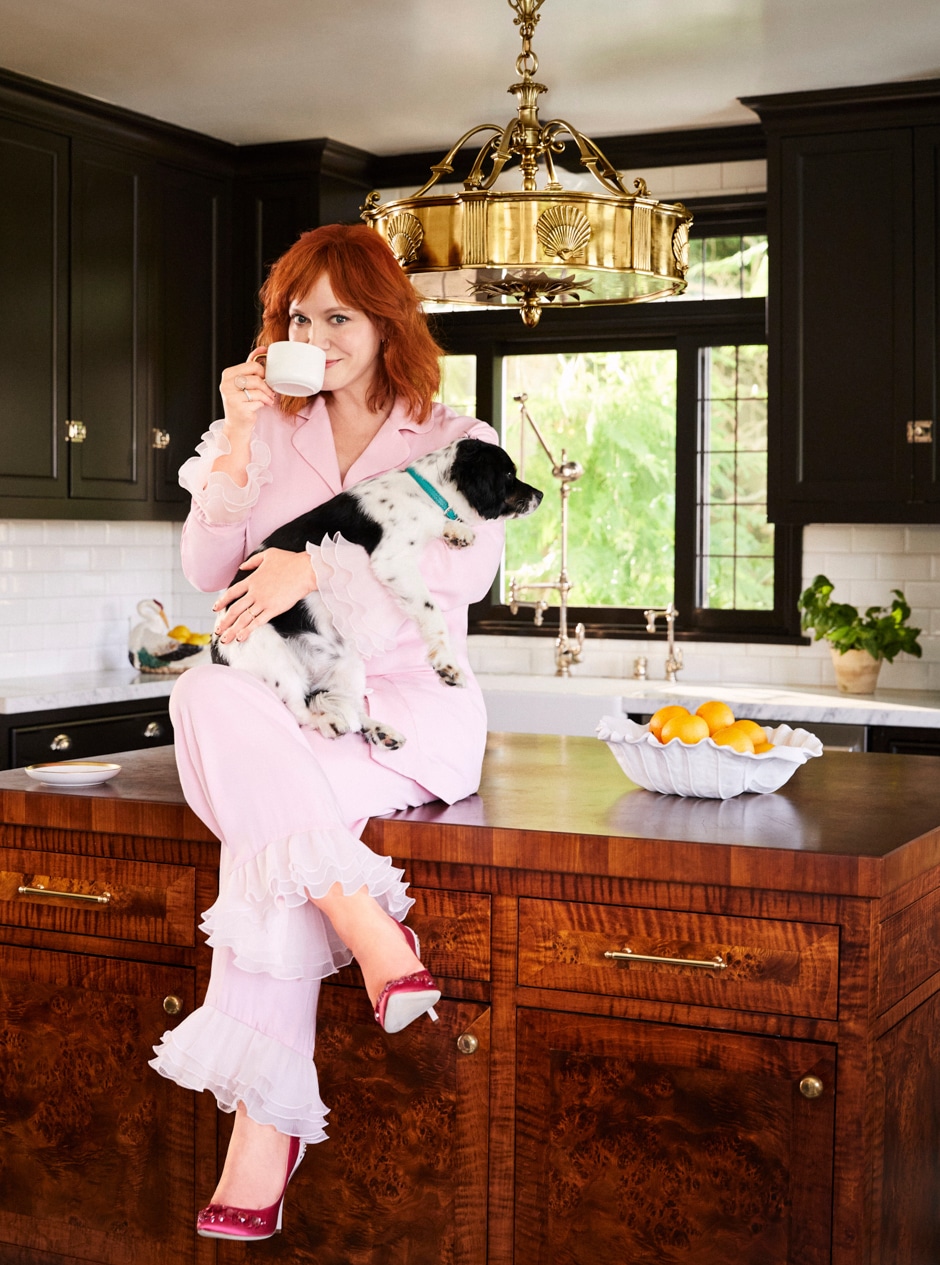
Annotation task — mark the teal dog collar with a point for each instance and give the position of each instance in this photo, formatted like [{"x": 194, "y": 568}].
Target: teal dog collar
[{"x": 432, "y": 492}]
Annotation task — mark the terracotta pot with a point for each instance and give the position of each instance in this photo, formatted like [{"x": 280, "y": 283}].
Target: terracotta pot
[{"x": 856, "y": 671}]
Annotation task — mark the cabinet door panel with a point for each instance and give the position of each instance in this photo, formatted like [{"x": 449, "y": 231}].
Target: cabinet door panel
[
  {"x": 655, "y": 1145},
  {"x": 191, "y": 320},
  {"x": 402, "y": 1178},
  {"x": 927, "y": 304},
  {"x": 109, "y": 386},
  {"x": 33, "y": 310},
  {"x": 842, "y": 386},
  {"x": 97, "y": 1149}
]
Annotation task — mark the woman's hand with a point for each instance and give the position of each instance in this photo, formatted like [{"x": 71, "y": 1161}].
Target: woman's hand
[
  {"x": 244, "y": 391},
  {"x": 278, "y": 579}
]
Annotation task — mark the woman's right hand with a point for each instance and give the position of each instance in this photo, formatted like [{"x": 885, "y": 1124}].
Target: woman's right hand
[{"x": 244, "y": 391}]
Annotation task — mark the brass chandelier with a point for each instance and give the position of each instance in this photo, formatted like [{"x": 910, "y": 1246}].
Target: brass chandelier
[{"x": 533, "y": 247}]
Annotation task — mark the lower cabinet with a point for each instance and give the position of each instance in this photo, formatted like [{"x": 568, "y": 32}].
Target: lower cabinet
[
  {"x": 402, "y": 1179},
  {"x": 82, "y": 733},
  {"x": 96, "y": 1151},
  {"x": 622, "y": 1070},
  {"x": 653, "y": 1144}
]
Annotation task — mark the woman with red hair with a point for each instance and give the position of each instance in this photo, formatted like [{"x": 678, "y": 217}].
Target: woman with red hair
[{"x": 300, "y": 895}]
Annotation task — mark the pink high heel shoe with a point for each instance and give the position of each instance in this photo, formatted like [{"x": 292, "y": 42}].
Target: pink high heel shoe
[
  {"x": 403, "y": 1000},
  {"x": 219, "y": 1221}
]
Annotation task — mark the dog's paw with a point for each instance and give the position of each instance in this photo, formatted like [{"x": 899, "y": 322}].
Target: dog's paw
[
  {"x": 449, "y": 673},
  {"x": 458, "y": 535},
  {"x": 380, "y": 735},
  {"x": 330, "y": 725}
]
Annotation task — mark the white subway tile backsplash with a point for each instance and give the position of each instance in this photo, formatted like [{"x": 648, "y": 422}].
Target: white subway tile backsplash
[{"x": 69, "y": 594}]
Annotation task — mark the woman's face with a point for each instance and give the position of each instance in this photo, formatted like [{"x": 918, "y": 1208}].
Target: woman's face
[{"x": 349, "y": 337}]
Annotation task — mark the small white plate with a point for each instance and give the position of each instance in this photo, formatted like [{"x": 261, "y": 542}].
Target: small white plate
[{"x": 73, "y": 772}]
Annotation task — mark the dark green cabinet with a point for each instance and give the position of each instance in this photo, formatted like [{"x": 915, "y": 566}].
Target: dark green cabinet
[
  {"x": 110, "y": 365},
  {"x": 191, "y": 313},
  {"x": 853, "y": 216},
  {"x": 113, "y": 313},
  {"x": 34, "y": 295}
]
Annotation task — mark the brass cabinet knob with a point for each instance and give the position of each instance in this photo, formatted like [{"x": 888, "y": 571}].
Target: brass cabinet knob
[
  {"x": 467, "y": 1043},
  {"x": 61, "y": 742},
  {"x": 172, "y": 1005},
  {"x": 811, "y": 1087},
  {"x": 154, "y": 730},
  {"x": 160, "y": 438},
  {"x": 75, "y": 432}
]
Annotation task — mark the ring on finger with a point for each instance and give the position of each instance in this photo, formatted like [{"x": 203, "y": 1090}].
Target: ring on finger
[
  {"x": 241, "y": 382},
  {"x": 247, "y": 393}
]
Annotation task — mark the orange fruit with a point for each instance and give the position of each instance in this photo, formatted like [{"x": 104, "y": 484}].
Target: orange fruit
[
  {"x": 754, "y": 729},
  {"x": 735, "y": 738},
  {"x": 761, "y": 747},
  {"x": 716, "y": 715},
  {"x": 658, "y": 719},
  {"x": 688, "y": 729}
]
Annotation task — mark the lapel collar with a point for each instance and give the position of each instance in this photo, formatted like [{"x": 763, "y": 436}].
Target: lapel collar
[
  {"x": 389, "y": 448},
  {"x": 313, "y": 440}
]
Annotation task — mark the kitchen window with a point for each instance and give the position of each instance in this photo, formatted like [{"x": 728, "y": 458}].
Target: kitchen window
[{"x": 664, "y": 405}]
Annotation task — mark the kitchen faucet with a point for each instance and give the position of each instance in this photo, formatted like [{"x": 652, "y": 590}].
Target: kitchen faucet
[
  {"x": 673, "y": 656},
  {"x": 567, "y": 651}
]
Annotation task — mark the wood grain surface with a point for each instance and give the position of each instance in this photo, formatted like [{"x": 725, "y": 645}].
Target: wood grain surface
[{"x": 846, "y": 823}]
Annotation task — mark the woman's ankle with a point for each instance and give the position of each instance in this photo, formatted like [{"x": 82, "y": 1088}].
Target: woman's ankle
[
  {"x": 372, "y": 935},
  {"x": 255, "y": 1164}
]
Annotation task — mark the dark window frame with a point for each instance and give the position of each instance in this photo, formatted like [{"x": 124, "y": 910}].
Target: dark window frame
[{"x": 686, "y": 327}]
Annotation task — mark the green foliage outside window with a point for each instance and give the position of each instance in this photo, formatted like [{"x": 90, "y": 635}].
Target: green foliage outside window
[
  {"x": 736, "y": 543},
  {"x": 615, "y": 414},
  {"x": 726, "y": 268}
]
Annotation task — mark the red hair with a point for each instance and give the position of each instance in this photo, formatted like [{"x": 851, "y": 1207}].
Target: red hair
[{"x": 364, "y": 274}]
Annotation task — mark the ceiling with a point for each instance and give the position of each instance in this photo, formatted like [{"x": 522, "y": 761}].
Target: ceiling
[{"x": 390, "y": 76}]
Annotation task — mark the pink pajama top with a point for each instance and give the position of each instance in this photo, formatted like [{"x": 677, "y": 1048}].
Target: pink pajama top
[{"x": 292, "y": 468}]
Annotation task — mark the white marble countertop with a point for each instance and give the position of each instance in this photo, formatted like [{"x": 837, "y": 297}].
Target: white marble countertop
[
  {"x": 80, "y": 689},
  {"x": 914, "y": 708}
]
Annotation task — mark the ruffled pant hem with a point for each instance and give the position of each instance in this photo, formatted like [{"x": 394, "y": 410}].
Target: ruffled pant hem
[
  {"x": 212, "y": 1051},
  {"x": 264, "y": 913}
]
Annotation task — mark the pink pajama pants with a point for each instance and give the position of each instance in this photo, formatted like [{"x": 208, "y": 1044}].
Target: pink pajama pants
[{"x": 288, "y": 807}]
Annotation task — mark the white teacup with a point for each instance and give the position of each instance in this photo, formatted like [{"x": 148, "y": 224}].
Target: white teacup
[{"x": 292, "y": 368}]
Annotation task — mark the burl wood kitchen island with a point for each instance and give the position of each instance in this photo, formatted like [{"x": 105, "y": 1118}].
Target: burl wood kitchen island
[{"x": 755, "y": 1081}]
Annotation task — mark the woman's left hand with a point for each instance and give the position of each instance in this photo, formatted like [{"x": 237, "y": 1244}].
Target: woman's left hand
[{"x": 278, "y": 579}]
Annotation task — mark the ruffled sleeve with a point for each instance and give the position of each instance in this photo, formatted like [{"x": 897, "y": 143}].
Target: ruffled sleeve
[
  {"x": 362, "y": 609},
  {"x": 216, "y": 494}
]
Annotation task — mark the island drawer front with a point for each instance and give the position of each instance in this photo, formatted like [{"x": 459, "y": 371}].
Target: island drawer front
[
  {"x": 777, "y": 967},
  {"x": 99, "y": 896},
  {"x": 454, "y": 930}
]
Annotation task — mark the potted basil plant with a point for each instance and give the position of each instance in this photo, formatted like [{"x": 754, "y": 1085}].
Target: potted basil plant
[{"x": 858, "y": 643}]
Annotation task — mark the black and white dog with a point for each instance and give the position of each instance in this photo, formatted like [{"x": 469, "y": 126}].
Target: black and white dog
[{"x": 299, "y": 654}]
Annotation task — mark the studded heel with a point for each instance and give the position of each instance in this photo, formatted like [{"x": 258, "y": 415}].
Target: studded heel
[
  {"x": 403, "y": 1000},
  {"x": 219, "y": 1221}
]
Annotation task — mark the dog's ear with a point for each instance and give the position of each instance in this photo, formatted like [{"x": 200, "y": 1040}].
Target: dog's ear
[{"x": 484, "y": 473}]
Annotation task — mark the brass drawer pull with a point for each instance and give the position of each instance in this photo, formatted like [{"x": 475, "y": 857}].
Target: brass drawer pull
[
  {"x": 715, "y": 964},
  {"x": 172, "y": 1005},
  {"x": 61, "y": 742},
  {"x": 46, "y": 891},
  {"x": 467, "y": 1043},
  {"x": 811, "y": 1087}
]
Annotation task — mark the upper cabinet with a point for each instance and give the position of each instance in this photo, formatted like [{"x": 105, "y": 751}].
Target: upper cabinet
[
  {"x": 34, "y": 295},
  {"x": 853, "y": 311},
  {"x": 113, "y": 313},
  {"x": 127, "y": 282}
]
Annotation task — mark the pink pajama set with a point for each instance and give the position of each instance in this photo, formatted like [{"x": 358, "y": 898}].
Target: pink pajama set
[{"x": 288, "y": 805}]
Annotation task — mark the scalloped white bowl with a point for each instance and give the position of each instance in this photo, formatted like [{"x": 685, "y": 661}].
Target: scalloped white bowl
[{"x": 703, "y": 769}]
